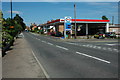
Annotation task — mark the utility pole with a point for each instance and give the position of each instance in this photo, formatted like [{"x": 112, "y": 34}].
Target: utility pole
[
  {"x": 112, "y": 20},
  {"x": 11, "y": 8},
  {"x": 75, "y": 20},
  {"x": 11, "y": 23}
]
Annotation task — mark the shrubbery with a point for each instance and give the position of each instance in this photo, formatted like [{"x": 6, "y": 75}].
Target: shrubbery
[{"x": 10, "y": 29}]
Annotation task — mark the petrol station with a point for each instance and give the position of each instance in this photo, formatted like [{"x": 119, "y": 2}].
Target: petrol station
[{"x": 83, "y": 26}]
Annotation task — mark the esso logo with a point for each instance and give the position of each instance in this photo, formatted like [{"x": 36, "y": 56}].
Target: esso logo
[{"x": 68, "y": 19}]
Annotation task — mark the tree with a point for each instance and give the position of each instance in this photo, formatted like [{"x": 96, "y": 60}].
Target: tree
[
  {"x": 19, "y": 21},
  {"x": 31, "y": 26},
  {"x": 104, "y": 18},
  {"x": 16, "y": 22}
]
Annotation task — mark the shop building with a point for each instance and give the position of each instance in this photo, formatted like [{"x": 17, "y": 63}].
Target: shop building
[{"x": 83, "y": 26}]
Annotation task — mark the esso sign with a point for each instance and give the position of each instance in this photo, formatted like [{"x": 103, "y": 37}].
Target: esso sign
[{"x": 68, "y": 19}]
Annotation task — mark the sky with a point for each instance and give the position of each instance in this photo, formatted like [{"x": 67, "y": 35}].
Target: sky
[
  {"x": 41, "y": 12},
  {"x": 62, "y": 0}
]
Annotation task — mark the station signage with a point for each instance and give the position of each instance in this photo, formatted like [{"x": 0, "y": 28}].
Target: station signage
[
  {"x": 67, "y": 23},
  {"x": 68, "y": 19},
  {"x": 67, "y": 26}
]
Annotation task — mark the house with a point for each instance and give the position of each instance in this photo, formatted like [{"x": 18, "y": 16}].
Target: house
[{"x": 115, "y": 28}]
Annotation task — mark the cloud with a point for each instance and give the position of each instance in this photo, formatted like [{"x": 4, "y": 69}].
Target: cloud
[{"x": 16, "y": 12}]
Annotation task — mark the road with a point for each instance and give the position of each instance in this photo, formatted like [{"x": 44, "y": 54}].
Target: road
[{"x": 63, "y": 59}]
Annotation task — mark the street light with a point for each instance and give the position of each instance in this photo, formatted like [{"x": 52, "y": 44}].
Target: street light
[
  {"x": 75, "y": 20},
  {"x": 11, "y": 27},
  {"x": 11, "y": 8},
  {"x": 112, "y": 20}
]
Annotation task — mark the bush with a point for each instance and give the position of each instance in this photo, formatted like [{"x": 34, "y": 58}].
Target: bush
[{"x": 6, "y": 39}]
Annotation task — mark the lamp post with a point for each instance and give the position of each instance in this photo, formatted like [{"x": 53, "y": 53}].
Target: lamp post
[
  {"x": 11, "y": 8},
  {"x": 11, "y": 27},
  {"x": 75, "y": 20},
  {"x": 112, "y": 20}
]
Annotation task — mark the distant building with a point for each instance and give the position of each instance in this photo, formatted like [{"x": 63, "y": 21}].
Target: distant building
[
  {"x": 115, "y": 28},
  {"x": 27, "y": 28},
  {"x": 33, "y": 26}
]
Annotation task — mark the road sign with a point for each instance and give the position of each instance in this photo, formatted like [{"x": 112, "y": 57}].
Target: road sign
[{"x": 68, "y": 26}]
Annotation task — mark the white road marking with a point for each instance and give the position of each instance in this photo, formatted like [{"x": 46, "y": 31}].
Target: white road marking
[
  {"x": 104, "y": 49},
  {"x": 44, "y": 41},
  {"x": 84, "y": 45},
  {"x": 44, "y": 71},
  {"x": 111, "y": 44},
  {"x": 94, "y": 46},
  {"x": 93, "y": 57},
  {"x": 91, "y": 46},
  {"x": 115, "y": 49},
  {"x": 49, "y": 43},
  {"x": 88, "y": 45},
  {"x": 61, "y": 47},
  {"x": 109, "y": 48},
  {"x": 99, "y": 47}
]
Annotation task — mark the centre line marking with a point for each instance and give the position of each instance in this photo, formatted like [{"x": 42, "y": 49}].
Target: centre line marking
[
  {"x": 61, "y": 47},
  {"x": 93, "y": 57},
  {"x": 44, "y": 41},
  {"x": 49, "y": 43},
  {"x": 104, "y": 48}
]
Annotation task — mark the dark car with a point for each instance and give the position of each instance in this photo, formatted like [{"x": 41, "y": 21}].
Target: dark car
[
  {"x": 99, "y": 35},
  {"x": 58, "y": 34},
  {"x": 52, "y": 33},
  {"x": 110, "y": 35}
]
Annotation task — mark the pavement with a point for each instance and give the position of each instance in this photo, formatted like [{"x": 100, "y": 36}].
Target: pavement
[
  {"x": 0, "y": 64},
  {"x": 20, "y": 62}
]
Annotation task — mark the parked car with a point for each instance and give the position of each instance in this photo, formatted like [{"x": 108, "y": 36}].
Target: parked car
[
  {"x": 99, "y": 35},
  {"x": 110, "y": 35},
  {"x": 58, "y": 34},
  {"x": 52, "y": 33}
]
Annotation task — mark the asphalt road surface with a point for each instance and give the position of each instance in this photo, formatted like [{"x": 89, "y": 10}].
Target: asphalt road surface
[{"x": 62, "y": 59}]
